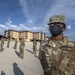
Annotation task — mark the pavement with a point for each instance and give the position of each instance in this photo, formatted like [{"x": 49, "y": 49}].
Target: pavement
[{"x": 10, "y": 64}]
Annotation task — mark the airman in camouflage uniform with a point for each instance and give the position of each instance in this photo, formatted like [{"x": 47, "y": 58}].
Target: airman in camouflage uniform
[
  {"x": 34, "y": 46},
  {"x": 8, "y": 42},
  {"x": 2, "y": 43},
  {"x": 15, "y": 45},
  {"x": 21, "y": 47},
  {"x": 41, "y": 41},
  {"x": 59, "y": 53}
]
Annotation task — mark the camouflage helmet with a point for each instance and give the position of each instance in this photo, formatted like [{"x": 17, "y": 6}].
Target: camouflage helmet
[{"x": 57, "y": 19}]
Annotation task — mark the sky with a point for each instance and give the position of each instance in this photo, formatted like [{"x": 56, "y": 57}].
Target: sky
[{"x": 34, "y": 15}]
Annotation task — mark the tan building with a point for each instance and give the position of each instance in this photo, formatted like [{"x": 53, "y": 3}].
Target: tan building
[
  {"x": 39, "y": 35},
  {"x": 27, "y": 35},
  {"x": 43, "y": 36},
  {"x": 6, "y": 33},
  {"x": 12, "y": 33}
]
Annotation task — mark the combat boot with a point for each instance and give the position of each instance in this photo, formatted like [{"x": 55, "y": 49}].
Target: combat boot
[
  {"x": 7, "y": 46},
  {"x": 22, "y": 58}
]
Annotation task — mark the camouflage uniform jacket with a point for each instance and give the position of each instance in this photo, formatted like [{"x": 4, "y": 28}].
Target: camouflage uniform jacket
[
  {"x": 2, "y": 41},
  {"x": 22, "y": 45},
  {"x": 8, "y": 40},
  {"x": 16, "y": 41},
  {"x": 60, "y": 54},
  {"x": 34, "y": 43}
]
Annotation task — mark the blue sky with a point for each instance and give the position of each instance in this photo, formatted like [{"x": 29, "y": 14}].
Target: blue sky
[{"x": 33, "y": 15}]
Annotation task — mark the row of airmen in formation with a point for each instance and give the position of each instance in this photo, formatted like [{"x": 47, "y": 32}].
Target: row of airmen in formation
[{"x": 21, "y": 47}]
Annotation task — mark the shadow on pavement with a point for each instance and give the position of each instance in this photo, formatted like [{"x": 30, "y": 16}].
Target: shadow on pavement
[
  {"x": 2, "y": 73},
  {"x": 37, "y": 57},
  {"x": 17, "y": 53},
  {"x": 17, "y": 70},
  {"x": 29, "y": 51}
]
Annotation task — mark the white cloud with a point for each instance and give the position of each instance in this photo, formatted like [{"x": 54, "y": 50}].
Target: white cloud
[
  {"x": 62, "y": 7},
  {"x": 69, "y": 27},
  {"x": 9, "y": 25},
  {"x": 8, "y": 21},
  {"x": 71, "y": 35},
  {"x": 30, "y": 21},
  {"x": 24, "y": 7},
  {"x": 58, "y": 7}
]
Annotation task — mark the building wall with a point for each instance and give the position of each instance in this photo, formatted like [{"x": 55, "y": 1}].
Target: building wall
[
  {"x": 15, "y": 34},
  {"x": 27, "y": 35},
  {"x": 6, "y": 33},
  {"x": 39, "y": 36},
  {"x": 36, "y": 35},
  {"x": 43, "y": 36},
  {"x": 22, "y": 35}
]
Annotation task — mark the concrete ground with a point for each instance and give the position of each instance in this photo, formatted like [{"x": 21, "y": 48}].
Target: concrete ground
[{"x": 10, "y": 64}]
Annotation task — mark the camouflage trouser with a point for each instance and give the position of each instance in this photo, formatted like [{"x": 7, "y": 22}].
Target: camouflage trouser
[
  {"x": 8, "y": 44},
  {"x": 1, "y": 48},
  {"x": 34, "y": 50},
  {"x": 41, "y": 54},
  {"x": 15, "y": 46},
  {"x": 22, "y": 52}
]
